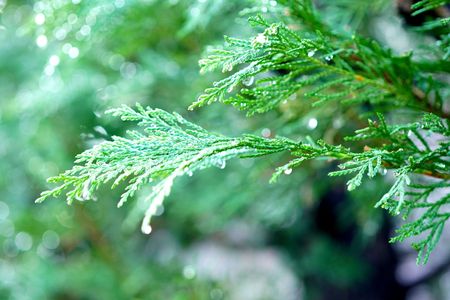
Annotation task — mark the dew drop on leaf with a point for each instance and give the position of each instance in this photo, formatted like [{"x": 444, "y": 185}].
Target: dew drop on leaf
[
  {"x": 248, "y": 81},
  {"x": 266, "y": 132},
  {"x": 146, "y": 228},
  {"x": 312, "y": 123},
  {"x": 288, "y": 171},
  {"x": 311, "y": 53},
  {"x": 222, "y": 164},
  {"x": 260, "y": 39}
]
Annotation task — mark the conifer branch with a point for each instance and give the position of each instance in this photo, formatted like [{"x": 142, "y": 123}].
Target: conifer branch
[
  {"x": 279, "y": 64},
  {"x": 169, "y": 147}
]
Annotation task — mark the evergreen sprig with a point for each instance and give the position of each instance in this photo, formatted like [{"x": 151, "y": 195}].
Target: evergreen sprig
[
  {"x": 314, "y": 65},
  {"x": 279, "y": 63},
  {"x": 432, "y": 199},
  {"x": 408, "y": 154},
  {"x": 285, "y": 62},
  {"x": 168, "y": 147}
]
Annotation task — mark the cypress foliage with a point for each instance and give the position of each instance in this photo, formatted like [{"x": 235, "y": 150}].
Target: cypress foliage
[{"x": 296, "y": 57}]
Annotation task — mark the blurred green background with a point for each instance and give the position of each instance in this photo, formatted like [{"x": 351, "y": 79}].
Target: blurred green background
[{"x": 225, "y": 233}]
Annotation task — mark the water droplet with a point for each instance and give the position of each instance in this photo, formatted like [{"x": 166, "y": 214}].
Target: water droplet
[
  {"x": 39, "y": 19},
  {"x": 312, "y": 123},
  {"x": 101, "y": 130},
  {"x": 146, "y": 228},
  {"x": 66, "y": 47},
  {"x": 383, "y": 171},
  {"x": 248, "y": 81},
  {"x": 85, "y": 30},
  {"x": 189, "y": 272},
  {"x": 50, "y": 240},
  {"x": 221, "y": 164},
  {"x": 72, "y": 19},
  {"x": 328, "y": 57},
  {"x": 288, "y": 171},
  {"x": 60, "y": 33},
  {"x": 230, "y": 88},
  {"x": 410, "y": 133},
  {"x": 41, "y": 41},
  {"x": 260, "y": 39},
  {"x": 311, "y": 53},
  {"x": 86, "y": 193},
  {"x": 266, "y": 132},
  {"x": 115, "y": 61},
  {"x": 73, "y": 52},
  {"x": 54, "y": 60},
  {"x": 338, "y": 122},
  {"x": 23, "y": 241},
  {"x": 128, "y": 70}
]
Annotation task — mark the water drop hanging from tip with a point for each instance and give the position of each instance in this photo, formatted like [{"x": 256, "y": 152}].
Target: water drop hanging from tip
[
  {"x": 146, "y": 228},
  {"x": 248, "y": 81},
  {"x": 288, "y": 171}
]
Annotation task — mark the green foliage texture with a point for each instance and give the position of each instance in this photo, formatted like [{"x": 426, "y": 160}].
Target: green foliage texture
[{"x": 298, "y": 64}]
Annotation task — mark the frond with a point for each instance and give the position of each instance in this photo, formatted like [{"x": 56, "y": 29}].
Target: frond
[{"x": 168, "y": 147}]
